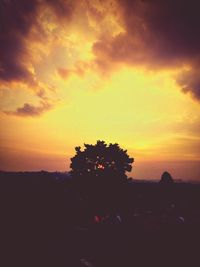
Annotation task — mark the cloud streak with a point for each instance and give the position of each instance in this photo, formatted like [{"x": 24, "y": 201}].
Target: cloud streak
[{"x": 29, "y": 110}]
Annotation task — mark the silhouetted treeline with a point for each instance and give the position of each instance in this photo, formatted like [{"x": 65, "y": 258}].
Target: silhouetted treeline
[{"x": 46, "y": 222}]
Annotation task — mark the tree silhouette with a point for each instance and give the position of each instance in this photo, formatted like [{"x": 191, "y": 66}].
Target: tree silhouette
[
  {"x": 99, "y": 171},
  {"x": 100, "y": 159},
  {"x": 166, "y": 178}
]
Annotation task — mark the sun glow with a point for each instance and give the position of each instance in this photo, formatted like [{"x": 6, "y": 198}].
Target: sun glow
[{"x": 138, "y": 109}]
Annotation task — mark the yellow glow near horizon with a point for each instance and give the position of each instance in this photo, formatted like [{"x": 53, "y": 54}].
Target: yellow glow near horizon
[{"x": 137, "y": 109}]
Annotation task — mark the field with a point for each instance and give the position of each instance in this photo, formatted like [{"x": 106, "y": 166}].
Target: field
[{"x": 45, "y": 223}]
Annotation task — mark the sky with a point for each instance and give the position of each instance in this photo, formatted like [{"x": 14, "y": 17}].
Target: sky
[{"x": 122, "y": 71}]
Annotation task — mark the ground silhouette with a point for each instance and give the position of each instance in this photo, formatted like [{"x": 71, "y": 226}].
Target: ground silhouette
[{"x": 47, "y": 219}]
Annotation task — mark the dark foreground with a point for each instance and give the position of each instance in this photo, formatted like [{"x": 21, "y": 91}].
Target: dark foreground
[{"x": 45, "y": 223}]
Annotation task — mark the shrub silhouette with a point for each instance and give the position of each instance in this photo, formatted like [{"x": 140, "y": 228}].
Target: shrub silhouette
[
  {"x": 99, "y": 172},
  {"x": 166, "y": 178}
]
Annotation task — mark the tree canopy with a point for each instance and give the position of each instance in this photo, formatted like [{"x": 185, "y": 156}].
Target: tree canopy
[{"x": 99, "y": 160}]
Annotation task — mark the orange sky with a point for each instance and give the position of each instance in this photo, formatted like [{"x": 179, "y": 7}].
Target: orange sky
[{"x": 79, "y": 73}]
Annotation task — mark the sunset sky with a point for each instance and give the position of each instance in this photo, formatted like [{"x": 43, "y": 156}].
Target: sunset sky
[{"x": 77, "y": 71}]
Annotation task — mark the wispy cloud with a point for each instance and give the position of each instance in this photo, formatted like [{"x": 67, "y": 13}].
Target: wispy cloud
[{"x": 29, "y": 110}]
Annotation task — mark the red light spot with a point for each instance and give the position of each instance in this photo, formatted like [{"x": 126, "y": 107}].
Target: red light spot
[
  {"x": 100, "y": 166},
  {"x": 96, "y": 219}
]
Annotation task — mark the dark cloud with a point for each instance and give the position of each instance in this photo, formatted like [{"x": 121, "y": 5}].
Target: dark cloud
[
  {"x": 172, "y": 20},
  {"x": 170, "y": 28},
  {"x": 158, "y": 34},
  {"x": 62, "y": 8},
  {"x": 175, "y": 24},
  {"x": 29, "y": 110},
  {"x": 16, "y": 19},
  {"x": 189, "y": 80}
]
